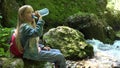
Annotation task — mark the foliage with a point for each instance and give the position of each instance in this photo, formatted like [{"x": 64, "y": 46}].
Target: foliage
[
  {"x": 4, "y": 42},
  {"x": 113, "y": 19},
  {"x": 59, "y": 9},
  {"x": 0, "y": 21},
  {"x": 112, "y": 14},
  {"x": 71, "y": 42},
  {"x": 9, "y": 13},
  {"x": 1, "y": 52},
  {"x": 0, "y": 26},
  {"x": 0, "y": 17}
]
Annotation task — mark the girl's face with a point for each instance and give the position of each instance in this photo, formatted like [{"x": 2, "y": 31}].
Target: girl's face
[{"x": 28, "y": 14}]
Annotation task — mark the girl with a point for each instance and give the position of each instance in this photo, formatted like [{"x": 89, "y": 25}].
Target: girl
[{"x": 27, "y": 36}]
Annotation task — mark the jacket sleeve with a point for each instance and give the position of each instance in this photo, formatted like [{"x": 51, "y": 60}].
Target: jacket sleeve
[{"x": 29, "y": 31}]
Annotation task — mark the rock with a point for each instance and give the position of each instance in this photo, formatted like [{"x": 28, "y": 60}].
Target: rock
[
  {"x": 33, "y": 64},
  {"x": 37, "y": 64},
  {"x": 116, "y": 65},
  {"x": 91, "y": 26},
  {"x": 12, "y": 63},
  {"x": 23, "y": 63},
  {"x": 70, "y": 41}
]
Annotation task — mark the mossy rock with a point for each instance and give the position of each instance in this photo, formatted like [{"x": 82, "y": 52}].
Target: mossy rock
[
  {"x": 12, "y": 63},
  {"x": 71, "y": 42},
  {"x": 91, "y": 26},
  {"x": 23, "y": 63},
  {"x": 33, "y": 64}
]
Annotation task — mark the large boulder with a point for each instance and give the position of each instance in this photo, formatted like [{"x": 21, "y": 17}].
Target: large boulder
[
  {"x": 70, "y": 41},
  {"x": 91, "y": 26}
]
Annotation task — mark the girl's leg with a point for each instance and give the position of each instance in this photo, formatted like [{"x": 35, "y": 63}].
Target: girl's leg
[
  {"x": 54, "y": 56},
  {"x": 55, "y": 50}
]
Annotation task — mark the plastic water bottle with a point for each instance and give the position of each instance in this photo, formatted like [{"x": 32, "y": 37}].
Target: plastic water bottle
[{"x": 43, "y": 12}]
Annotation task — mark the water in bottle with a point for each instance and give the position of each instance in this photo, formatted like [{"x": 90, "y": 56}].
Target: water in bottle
[{"x": 43, "y": 12}]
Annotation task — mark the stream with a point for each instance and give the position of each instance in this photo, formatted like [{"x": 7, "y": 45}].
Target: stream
[{"x": 105, "y": 56}]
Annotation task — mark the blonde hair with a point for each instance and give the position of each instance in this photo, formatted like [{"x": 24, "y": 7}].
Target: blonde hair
[{"x": 21, "y": 20}]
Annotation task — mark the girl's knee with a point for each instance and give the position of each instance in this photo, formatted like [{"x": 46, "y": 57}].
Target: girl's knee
[
  {"x": 61, "y": 61},
  {"x": 60, "y": 56}
]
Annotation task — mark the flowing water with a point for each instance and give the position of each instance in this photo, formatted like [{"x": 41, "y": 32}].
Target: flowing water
[
  {"x": 105, "y": 56},
  {"x": 108, "y": 49}
]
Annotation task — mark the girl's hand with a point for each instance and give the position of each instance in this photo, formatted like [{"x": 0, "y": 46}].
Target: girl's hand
[
  {"x": 46, "y": 48},
  {"x": 37, "y": 15}
]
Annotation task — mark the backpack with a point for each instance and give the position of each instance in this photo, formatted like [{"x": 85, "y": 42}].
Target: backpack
[{"x": 13, "y": 47}]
